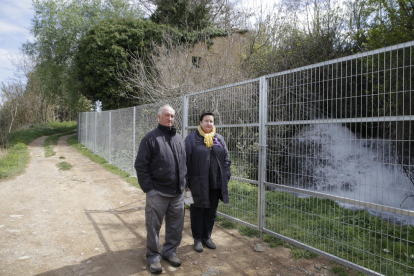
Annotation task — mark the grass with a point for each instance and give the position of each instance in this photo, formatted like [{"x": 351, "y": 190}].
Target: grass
[
  {"x": 51, "y": 141},
  {"x": 249, "y": 232},
  {"x": 353, "y": 235},
  {"x": 297, "y": 252},
  {"x": 33, "y": 132},
  {"x": 225, "y": 223},
  {"x": 3, "y": 153},
  {"x": 16, "y": 158},
  {"x": 97, "y": 159},
  {"x": 64, "y": 166},
  {"x": 300, "y": 253},
  {"x": 340, "y": 271},
  {"x": 15, "y": 161},
  {"x": 272, "y": 241}
]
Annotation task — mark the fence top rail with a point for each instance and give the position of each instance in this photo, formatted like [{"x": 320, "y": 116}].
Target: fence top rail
[
  {"x": 230, "y": 125},
  {"x": 342, "y": 59},
  {"x": 153, "y": 106},
  {"x": 403, "y": 118},
  {"x": 224, "y": 87}
]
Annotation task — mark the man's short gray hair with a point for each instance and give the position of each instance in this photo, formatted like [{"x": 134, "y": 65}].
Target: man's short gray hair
[{"x": 162, "y": 107}]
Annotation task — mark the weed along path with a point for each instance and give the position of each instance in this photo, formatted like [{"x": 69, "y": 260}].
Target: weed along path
[{"x": 88, "y": 221}]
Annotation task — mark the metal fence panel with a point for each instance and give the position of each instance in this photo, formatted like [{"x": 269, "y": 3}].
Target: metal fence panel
[
  {"x": 236, "y": 109},
  {"x": 90, "y": 131},
  {"x": 82, "y": 128},
  {"x": 321, "y": 155},
  {"x": 122, "y": 142},
  {"x": 103, "y": 135},
  {"x": 339, "y": 159}
]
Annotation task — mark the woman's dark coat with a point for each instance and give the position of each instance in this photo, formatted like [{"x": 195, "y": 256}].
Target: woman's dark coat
[{"x": 198, "y": 164}]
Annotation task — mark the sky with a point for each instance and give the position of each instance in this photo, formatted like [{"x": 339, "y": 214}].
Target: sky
[{"x": 15, "y": 20}]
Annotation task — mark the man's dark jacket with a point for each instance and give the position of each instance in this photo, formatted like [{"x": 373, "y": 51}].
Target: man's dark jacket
[
  {"x": 161, "y": 162},
  {"x": 198, "y": 165}
]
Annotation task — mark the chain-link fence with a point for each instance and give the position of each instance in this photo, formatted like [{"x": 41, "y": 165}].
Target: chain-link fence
[{"x": 322, "y": 156}]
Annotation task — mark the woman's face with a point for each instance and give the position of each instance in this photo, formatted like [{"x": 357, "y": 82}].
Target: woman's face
[{"x": 207, "y": 123}]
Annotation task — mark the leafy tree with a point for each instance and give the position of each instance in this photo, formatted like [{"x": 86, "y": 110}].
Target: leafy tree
[
  {"x": 183, "y": 14},
  {"x": 378, "y": 23},
  {"x": 106, "y": 49},
  {"x": 299, "y": 34},
  {"x": 393, "y": 23},
  {"x": 57, "y": 27},
  {"x": 24, "y": 103},
  {"x": 193, "y": 15},
  {"x": 359, "y": 20}
]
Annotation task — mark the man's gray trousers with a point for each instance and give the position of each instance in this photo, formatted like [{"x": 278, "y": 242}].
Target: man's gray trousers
[{"x": 158, "y": 206}]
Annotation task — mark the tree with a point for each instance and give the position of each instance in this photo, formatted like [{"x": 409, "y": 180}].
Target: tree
[
  {"x": 11, "y": 95},
  {"x": 298, "y": 34},
  {"x": 359, "y": 21},
  {"x": 183, "y": 14},
  {"x": 105, "y": 49},
  {"x": 57, "y": 27},
  {"x": 169, "y": 71},
  {"x": 191, "y": 15},
  {"x": 378, "y": 23},
  {"x": 393, "y": 23},
  {"x": 22, "y": 104}
]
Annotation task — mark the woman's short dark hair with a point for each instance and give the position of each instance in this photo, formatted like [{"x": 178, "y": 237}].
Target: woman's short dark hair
[{"x": 206, "y": 114}]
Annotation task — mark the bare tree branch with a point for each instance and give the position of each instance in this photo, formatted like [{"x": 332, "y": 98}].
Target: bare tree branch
[{"x": 171, "y": 71}]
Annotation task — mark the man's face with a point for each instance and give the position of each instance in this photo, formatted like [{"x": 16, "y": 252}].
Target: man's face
[{"x": 167, "y": 117}]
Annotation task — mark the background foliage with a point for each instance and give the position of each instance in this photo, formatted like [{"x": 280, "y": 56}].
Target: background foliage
[{"x": 106, "y": 49}]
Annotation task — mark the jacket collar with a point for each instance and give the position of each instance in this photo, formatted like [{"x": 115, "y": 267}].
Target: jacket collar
[{"x": 168, "y": 130}]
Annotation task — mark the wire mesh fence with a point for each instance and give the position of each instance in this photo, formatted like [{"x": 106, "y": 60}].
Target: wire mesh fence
[
  {"x": 237, "y": 119},
  {"x": 322, "y": 156}
]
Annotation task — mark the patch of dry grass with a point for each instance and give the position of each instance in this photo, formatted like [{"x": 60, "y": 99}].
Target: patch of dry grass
[{"x": 3, "y": 153}]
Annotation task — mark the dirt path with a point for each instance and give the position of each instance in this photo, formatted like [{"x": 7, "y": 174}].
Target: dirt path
[{"x": 87, "y": 221}]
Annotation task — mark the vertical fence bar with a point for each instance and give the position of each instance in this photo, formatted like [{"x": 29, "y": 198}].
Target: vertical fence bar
[
  {"x": 78, "y": 126},
  {"x": 185, "y": 116},
  {"x": 86, "y": 130},
  {"x": 133, "y": 137},
  {"x": 94, "y": 139},
  {"x": 110, "y": 138},
  {"x": 262, "y": 153}
]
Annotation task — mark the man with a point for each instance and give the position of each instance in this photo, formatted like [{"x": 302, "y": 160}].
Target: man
[{"x": 161, "y": 170}]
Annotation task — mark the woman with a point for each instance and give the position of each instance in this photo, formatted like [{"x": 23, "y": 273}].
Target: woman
[{"x": 208, "y": 172}]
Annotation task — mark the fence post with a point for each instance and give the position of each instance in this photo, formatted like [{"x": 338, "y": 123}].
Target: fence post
[
  {"x": 262, "y": 153},
  {"x": 94, "y": 144},
  {"x": 85, "y": 142},
  {"x": 133, "y": 137},
  {"x": 78, "y": 127},
  {"x": 185, "y": 116},
  {"x": 110, "y": 138}
]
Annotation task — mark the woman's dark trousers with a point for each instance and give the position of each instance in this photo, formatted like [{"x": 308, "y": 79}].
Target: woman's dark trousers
[{"x": 202, "y": 219}]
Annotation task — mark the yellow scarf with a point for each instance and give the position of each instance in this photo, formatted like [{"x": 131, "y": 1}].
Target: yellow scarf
[{"x": 208, "y": 137}]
